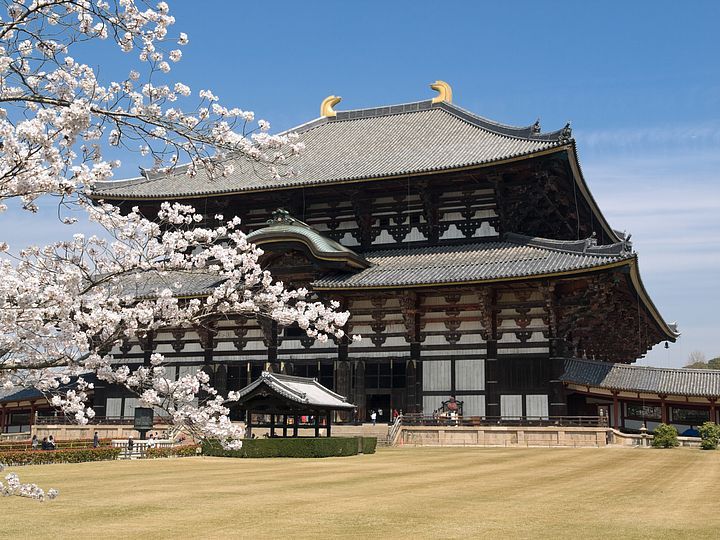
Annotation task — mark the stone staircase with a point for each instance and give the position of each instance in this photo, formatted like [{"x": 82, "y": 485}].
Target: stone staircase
[{"x": 363, "y": 430}]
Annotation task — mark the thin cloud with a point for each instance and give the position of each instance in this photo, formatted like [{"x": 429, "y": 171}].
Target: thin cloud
[{"x": 694, "y": 135}]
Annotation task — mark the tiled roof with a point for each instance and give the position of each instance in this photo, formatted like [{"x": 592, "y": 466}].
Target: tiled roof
[
  {"x": 182, "y": 283},
  {"x": 283, "y": 227},
  {"x": 301, "y": 390},
  {"x": 654, "y": 380},
  {"x": 367, "y": 143},
  {"x": 30, "y": 393},
  {"x": 513, "y": 256}
]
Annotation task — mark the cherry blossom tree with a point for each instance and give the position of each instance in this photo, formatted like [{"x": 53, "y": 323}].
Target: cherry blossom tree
[{"x": 64, "y": 306}]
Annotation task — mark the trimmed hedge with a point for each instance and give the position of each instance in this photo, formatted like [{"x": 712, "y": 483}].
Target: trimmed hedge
[
  {"x": 60, "y": 445},
  {"x": 187, "y": 450},
  {"x": 665, "y": 436},
  {"x": 38, "y": 457},
  {"x": 291, "y": 447},
  {"x": 710, "y": 434},
  {"x": 369, "y": 444}
]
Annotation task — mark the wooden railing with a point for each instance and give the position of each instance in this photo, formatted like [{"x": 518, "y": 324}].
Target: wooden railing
[
  {"x": 423, "y": 420},
  {"x": 139, "y": 447}
]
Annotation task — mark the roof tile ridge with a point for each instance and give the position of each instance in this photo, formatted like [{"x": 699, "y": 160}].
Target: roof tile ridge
[
  {"x": 268, "y": 376},
  {"x": 586, "y": 246},
  {"x": 328, "y": 391},
  {"x": 306, "y": 126},
  {"x": 390, "y": 251},
  {"x": 291, "y": 378},
  {"x": 620, "y": 365},
  {"x": 397, "y": 109},
  {"x": 524, "y": 133},
  {"x": 124, "y": 182}
]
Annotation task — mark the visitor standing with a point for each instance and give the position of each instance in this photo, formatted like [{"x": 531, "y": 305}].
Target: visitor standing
[
  {"x": 96, "y": 440},
  {"x": 379, "y": 414},
  {"x": 34, "y": 443},
  {"x": 395, "y": 415},
  {"x": 373, "y": 417}
]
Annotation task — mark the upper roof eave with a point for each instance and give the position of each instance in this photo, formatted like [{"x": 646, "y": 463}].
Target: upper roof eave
[{"x": 109, "y": 196}]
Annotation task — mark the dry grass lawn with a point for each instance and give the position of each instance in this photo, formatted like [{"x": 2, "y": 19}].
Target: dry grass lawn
[{"x": 396, "y": 493}]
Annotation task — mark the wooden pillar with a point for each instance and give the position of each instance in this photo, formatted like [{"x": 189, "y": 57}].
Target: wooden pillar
[
  {"x": 616, "y": 411},
  {"x": 329, "y": 422},
  {"x": 284, "y": 425},
  {"x": 33, "y": 410},
  {"x": 296, "y": 419},
  {"x": 3, "y": 417},
  {"x": 248, "y": 424},
  {"x": 713, "y": 414},
  {"x": 663, "y": 410},
  {"x": 317, "y": 423},
  {"x": 488, "y": 300},
  {"x": 272, "y": 425}
]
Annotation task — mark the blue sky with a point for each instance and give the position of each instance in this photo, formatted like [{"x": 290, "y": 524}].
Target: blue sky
[{"x": 640, "y": 82}]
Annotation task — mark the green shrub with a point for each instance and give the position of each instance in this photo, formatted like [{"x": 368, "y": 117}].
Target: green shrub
[
  {"x": 369, "y": 444},
  {"x": 710, "y": 434},
  {"x": 291, "y": 447},
  {"x": 665, "y": 436},
  {"x": 186, "y": 450},
  {"x": 40, "y": 457}
]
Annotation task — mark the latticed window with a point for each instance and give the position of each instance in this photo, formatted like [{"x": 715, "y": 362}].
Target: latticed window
[
  {"x": 689, "y": 416},
  {"x": 643, "y": 412}
]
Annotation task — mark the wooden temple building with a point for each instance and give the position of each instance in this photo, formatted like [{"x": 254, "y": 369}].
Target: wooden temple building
[{"x": 471, "y": 254}]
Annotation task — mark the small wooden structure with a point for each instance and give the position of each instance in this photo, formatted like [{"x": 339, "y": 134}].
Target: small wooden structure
[{"x": 289, "y": 403}]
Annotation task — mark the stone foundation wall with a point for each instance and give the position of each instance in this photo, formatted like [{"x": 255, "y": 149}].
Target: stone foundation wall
[{"x": 503, "y": 436}]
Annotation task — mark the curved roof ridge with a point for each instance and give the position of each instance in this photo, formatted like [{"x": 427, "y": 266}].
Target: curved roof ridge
[
  {"x": 283, "y": 227},
  {"x": 648, "y": 368},
  {"x": 587, "y": 246},
  {"x": 531, "y": 132}
]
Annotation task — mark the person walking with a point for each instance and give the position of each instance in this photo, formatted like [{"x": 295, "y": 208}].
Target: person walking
[
  {"x": 373, "y": 417},
  {"x": 96, "y": 440},
  {"x": 34, "y": 443}
]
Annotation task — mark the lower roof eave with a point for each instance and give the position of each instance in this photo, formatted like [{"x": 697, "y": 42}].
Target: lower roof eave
[
  {"x": 632, "y": 394},
  {"x": 530, "y": 277}
]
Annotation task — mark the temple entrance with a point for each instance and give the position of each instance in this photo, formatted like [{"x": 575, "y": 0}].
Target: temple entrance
[{"x": 379, "y": 403}]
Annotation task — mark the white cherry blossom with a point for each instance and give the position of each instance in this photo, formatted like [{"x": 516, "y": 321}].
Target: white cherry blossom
[{"x": 64, "y": 306}]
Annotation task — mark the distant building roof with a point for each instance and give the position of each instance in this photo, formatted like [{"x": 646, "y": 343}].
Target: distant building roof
[
  {"x": 653, "y": 380},
  {"x": 300, "y": 390},
  {"x": 514, "y": 256},
  {"x": 410, "y": 138},
  {"x": 32, "y": 393}
]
